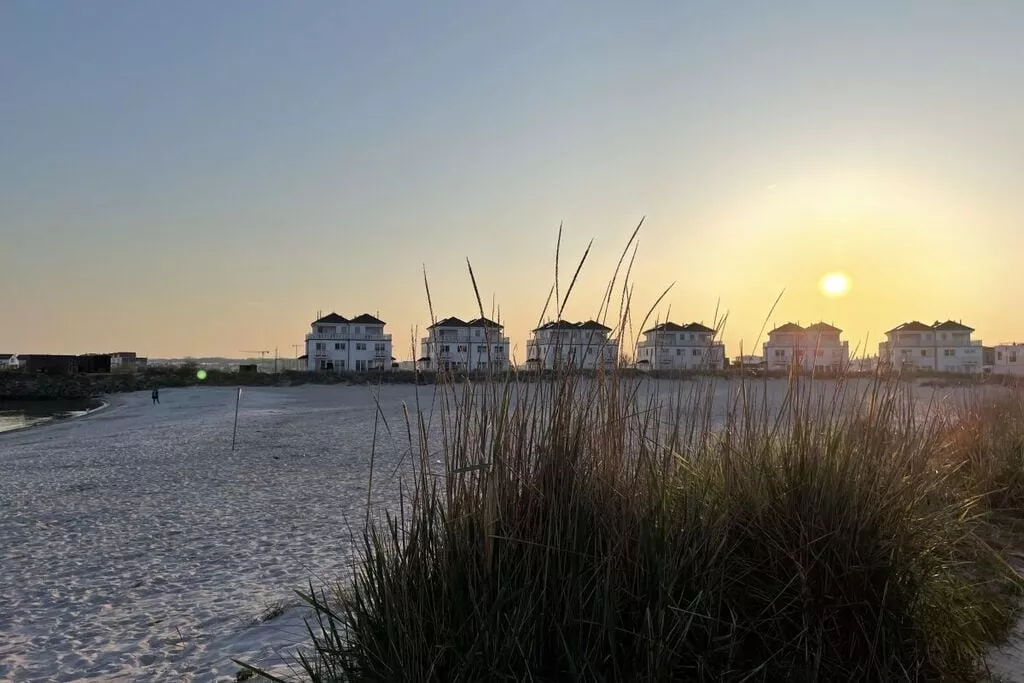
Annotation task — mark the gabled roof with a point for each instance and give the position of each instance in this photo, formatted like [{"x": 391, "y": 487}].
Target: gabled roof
[
  {"x": 366, "y": 319},
  {"x": 557, "y": 325},
  {"x": 566, "y": 325},
  {"x": 449, "y": 322},
  {"x": 673, "y": 327},
  {"x": 331, "y": 318},
  {"x": 949, "y": 325},
  {"x": 912, "y": 326},
  {"x": 788, "y": 327},
  {"x": 482, "y": 322},
  {"x": 822, "y": 327}
]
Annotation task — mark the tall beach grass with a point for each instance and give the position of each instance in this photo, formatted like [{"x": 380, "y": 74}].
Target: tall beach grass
[{"x": 593, "y": 527}]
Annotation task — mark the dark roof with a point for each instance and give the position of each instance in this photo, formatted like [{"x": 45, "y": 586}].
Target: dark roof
[
  {"x": 673, "y": 327},
  {"x": 482, "y": 322},
  {"x": 449, "y": 322},
  {"x": 950, "y": 325},
  {"x": 424, "y": 359},
  {"x": 331, "y": 318},
  {"x": 912, "y": 326},
  {"x": 366, "y": 319},
  {"x": 824, "y": 327},
  {"x": 566, "y": 325},
  {"x": 459, "y": 322},
  {"x": 304, "y": 357},
  {"x": 788, "y": 327}
]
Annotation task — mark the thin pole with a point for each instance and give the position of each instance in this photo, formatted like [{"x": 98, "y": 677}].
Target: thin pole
[{"x": 234, "y": 431}]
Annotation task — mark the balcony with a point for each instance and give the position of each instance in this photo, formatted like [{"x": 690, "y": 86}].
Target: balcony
[
  {"x": 463, "y": 339},
  {"x": 348, "y": 337}
]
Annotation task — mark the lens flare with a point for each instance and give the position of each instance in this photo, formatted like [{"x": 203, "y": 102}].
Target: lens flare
[
  {"x": 201, "y": 375},
  {"x": 834, "y": 285}
]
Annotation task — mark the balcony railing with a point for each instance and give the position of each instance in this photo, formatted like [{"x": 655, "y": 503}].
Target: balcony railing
[
  {"x": 362, "y": 336},
  {"x": 464, "y": 339}
]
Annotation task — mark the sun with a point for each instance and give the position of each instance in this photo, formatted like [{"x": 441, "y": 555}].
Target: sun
[{"x": 834, "y": 285}]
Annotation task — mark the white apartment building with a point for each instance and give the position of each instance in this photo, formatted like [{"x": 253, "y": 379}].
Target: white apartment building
[
  {"x": 469, "y": 346},
  {"x": 817, "y": 347},
  {"x": 584, "y": 345},
  {"x": 940, "y": 347},
  {"x": 9, "y": 361},
  {"x": 337, "y": 344},
  {"x": 1009, "y": 359},
  {"x": 669, "y": 346}
]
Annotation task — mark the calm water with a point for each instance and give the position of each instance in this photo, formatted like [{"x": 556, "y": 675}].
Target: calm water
[{"x": 19, "y": 414}]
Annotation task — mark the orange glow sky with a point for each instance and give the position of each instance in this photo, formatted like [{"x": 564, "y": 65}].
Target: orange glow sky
[{"x": 201, "y": 178}]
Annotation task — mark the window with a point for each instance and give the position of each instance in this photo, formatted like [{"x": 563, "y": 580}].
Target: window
[
  {"x": 357, "y": 330},
  {"x": 341, "y": 364},
  {"x": 321, "y": 330},
  {"x": 380, "y": 346},
  {"x": 679, "y": 352},
  {"x": 461, "y": 348},
  {"x": 780, "y": 353},
  {"x": 999, "y": 355},
  {"x": 320, "y": 346},
  {"x": 692, "y": 337},
  {"x": 445, "y": 348},
  {"x": 1013, "y": 356},
  {"x": 360, "y": 365},
  {"x": 481, "y": 348},
  {"x": 924, "y": 352},
  {"x": 360, "y": 346},
  {"x": 948, "y": 353},
  {"x": 323, "y": 364},
  {"x": 337, "y": 347},
  {"x": 695, "y": 352}
]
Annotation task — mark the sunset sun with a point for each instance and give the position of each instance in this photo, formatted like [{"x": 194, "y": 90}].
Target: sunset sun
[{"x": 834, "y": 285}]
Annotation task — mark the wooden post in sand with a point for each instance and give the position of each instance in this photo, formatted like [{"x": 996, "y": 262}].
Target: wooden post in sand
[{"x": 234, "y": 431}]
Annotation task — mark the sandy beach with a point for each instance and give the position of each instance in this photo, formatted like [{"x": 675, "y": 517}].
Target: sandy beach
[{"x": 134, "y": 545}]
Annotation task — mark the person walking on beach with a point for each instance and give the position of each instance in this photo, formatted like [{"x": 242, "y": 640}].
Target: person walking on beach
[{"x": 156, "y": 395}]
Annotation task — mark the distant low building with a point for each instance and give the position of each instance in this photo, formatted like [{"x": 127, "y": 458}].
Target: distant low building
[
  {"x": 338, "y": 344},
  {"x": 670, "y": 346},
  {"x": 583, "y": 345},
  {"x": 1008, "y": 359},
  {"x": 123, "y": 361},
  {"x": 9, "y": 361},
  {"x": 472, "y": 346},
  {"x": 48, "y": 363},
  {"x": 940, "y": 347}
]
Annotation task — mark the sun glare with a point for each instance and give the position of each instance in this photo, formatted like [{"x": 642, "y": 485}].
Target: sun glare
[{"x": 834, "y": 284}]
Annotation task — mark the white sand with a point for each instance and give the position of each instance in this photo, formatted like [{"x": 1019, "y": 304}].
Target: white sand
[{"x": 135, "y": 546}]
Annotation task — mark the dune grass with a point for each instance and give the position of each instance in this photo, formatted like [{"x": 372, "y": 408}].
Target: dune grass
[{"x": 603, "y": 528}]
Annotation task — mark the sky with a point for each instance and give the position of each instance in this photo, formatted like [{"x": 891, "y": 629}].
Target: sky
[{"x": 201, "y": 178}]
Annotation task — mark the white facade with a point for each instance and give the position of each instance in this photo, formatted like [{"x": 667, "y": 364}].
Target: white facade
[
  {"x": 9, "y": 361},
  {"x": 560, "y": 344},
  {"x": 1009, "y": 359},
  {"x": 123, "y": 361},
  {"x": 468, "y": 346},
  {"x": 817, "y": 347},
  {"x": 669, "y": 346},
  {"x": 337, "y": 344},
  {"x": 940, "y": 347}
]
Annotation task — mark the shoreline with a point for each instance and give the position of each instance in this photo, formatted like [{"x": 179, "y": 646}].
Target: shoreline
[{"x": 103, "y": 404}]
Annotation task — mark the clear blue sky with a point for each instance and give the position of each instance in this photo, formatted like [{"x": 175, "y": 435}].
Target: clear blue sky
[{"x": 201, "y": 177}]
